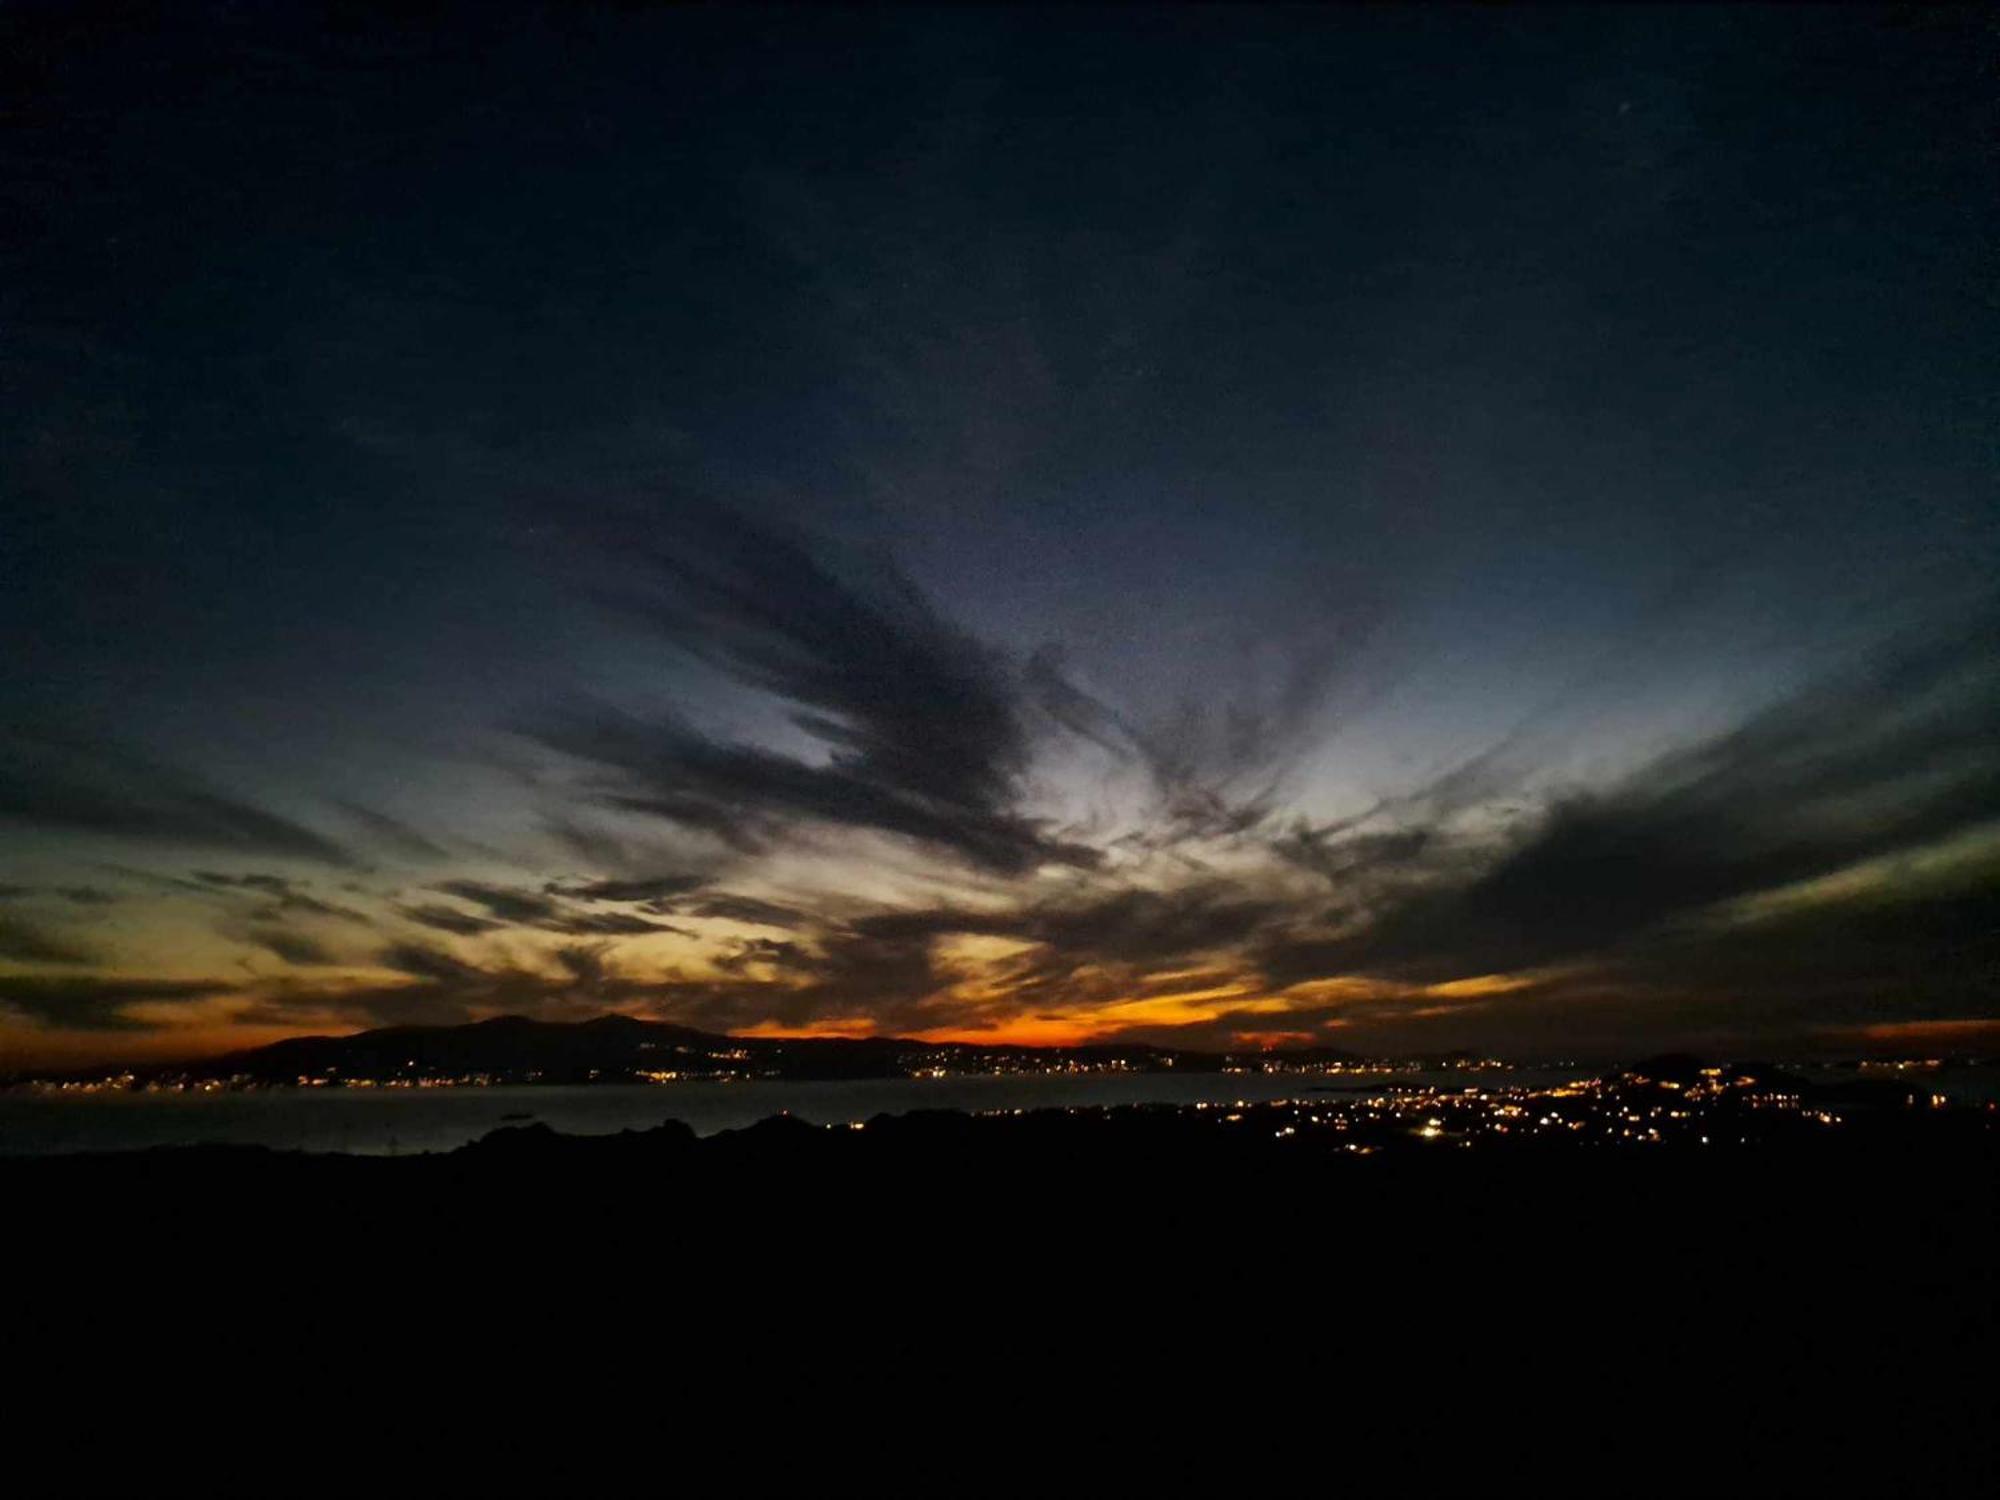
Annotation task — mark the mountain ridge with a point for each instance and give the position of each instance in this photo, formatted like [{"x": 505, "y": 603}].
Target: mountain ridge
[{"x": 620, "y": 1048}]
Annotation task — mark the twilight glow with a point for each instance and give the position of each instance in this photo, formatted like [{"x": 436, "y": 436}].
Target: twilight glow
[{"x": 1426, "y": 536}]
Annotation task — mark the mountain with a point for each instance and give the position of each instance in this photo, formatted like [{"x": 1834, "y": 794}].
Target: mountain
[{"x": 615, "y": 1048}]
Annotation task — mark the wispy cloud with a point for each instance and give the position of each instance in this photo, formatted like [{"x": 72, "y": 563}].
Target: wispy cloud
[
  {"x": 646, "y": 888},
  {"x": 93, "y": 1002},
  {"x": 923, "y": 725},
  {"x": 26, "y": 943},
  {"x": 507, "y": 905},
  {"x": 76, "y": 784}
]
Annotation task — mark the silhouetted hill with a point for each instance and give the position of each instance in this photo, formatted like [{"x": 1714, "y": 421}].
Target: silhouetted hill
[
  {"x": 624, "y": 1049},
  {"x": 504, "y": 1045}
]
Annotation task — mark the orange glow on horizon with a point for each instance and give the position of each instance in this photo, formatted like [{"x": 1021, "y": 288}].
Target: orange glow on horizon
[
  {"x": 1040, "y": 1032},
  {"x": 1271, "y": 1041},
  {"x": 1929, "y": 1031},
  {"x": 853, "y": 1030},
  {"x": 1023, "y": 1033}
]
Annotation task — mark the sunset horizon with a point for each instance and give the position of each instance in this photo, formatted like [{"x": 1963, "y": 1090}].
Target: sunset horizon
[{"x": 999, "y": 749}]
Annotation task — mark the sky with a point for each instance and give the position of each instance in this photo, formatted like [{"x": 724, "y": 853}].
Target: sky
[{"x": 1389, "y": 528}]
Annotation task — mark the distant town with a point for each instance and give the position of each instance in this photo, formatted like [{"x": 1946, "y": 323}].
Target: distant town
[
  {"x": 513, "y": 1051},
  {"x": 1676, "y": 1102}
]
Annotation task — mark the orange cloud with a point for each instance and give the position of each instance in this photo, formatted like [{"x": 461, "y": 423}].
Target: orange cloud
[
  {"x": 1969, "y": 1031},
  {"x": 1477, "y": 986},
  {"x": 853, "y": 1029},
  {"x": 1027, "y": 1031}
]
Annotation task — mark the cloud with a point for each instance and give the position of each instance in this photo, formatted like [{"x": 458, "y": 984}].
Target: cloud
[
  {"x": 586, "y": 963},
  {"x": 504, "y": 902},
  {"x": 1218, "y": 759},
  {"x": 92, "y": 1002},
  {"x": 450, "y": 919},
  {"x": 286, "y": 894},
  {"x": 605, "y": 923},
  {"x": 509, "y": 905},
  {"x": 1830, "y": 862},
  {"x": 603, "y": 849},
  {"x": 421, "y": 961},
  {"x": 1126, "y": 925},
  {"x": 906, "y": 970},
  {"x": 766, "y": 952},
  {"x": 885, "y": 979},
  {"x": 26, "y": 944},
  {"x": 293, "y": 947},
  {"x": 749, "y": 909},
  {"x": 439, "y": 988},
  {"x": 79, "y": 895},
  {"x": 924, "y": 725},
  {"x": 76, "y": 785},
  {"x": 393, "y": 833},
  {"x": 651, "y": 888},
  {"x": 269, "y": 884},
  {"x": 1638, "y": 879}
]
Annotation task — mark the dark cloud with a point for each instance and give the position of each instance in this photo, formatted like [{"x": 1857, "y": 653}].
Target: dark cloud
[
  {"x": 748, "y": 909},
  {"x": 78, "y": 895},
  {"x": 26, "y": 944},
  {"x": 925, "y": 724},
  {"x": 838, "y": 975},
  {"x": 439, "y": 988},
  {"x": 394, "y": 834},
  {"x": 505, "y": 902},
  {"x": 586, "y": 963},
  {"x": 651, "y": 888},
  {"x": 885, "y": 979},
  {"x": 598, "y": 847},
  {"x": 605, "y": 923},
  {"x": 275, "y": 885},
  {"x": 92, "y": 1002},
  {"x": 1878, "y": 956},
  {"x": 1344, "y": 861},
  {"x": 78, "y": 785},
  {"x": 747, "y": 797},
  {"x": 450, "y": 919},
  {"x": 1146, "y": 926},
  {"x": 508, "y": 904},
  {"x": 286, "y": 894},
  {"x": 294, "y": 948},
  {"x": 421, "y": 961},
  {"x": 1886, "y": 759}
]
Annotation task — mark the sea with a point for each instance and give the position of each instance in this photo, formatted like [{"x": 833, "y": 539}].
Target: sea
[{"x": 391, "y": 1121}]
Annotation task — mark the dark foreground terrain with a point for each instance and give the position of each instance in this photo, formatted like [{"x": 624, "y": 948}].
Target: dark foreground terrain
[{"x": 1053, "y": 1303}]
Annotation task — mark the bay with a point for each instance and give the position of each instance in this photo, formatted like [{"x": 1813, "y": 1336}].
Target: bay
[{"x": 380, "y": 1121}]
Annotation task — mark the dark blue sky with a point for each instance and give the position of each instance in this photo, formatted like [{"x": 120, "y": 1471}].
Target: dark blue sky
[{"x": 1426, "y": 527}]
